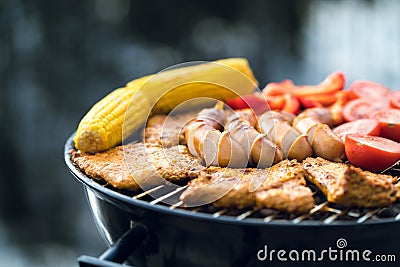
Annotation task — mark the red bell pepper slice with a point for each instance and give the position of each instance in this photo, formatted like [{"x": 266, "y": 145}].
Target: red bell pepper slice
[
  {"x": 278, "y": 88},
  {"x": 276, "y": 102},
  {"x": 333, "y": 83},
  {"x": 292, "y": 104},
  {"x": 257, "y": 103},
  {"x": 322, "y": 100}
]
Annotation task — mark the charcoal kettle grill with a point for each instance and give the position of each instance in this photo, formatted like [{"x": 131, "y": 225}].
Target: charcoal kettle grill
[{"x": 144, "y": 232}]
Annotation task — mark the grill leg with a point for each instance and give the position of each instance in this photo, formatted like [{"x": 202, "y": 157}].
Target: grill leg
[{"x": 119, "y": 251}]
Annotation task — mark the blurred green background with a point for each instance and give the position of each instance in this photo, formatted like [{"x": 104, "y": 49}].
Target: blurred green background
[{"x": 57, "y": 58}]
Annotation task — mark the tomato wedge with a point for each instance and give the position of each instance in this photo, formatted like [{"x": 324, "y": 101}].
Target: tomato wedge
[
  {"x": 390, "y": 123},
  {"x": 361, "y": 108},
  {"x": 371, "y": 153},
  {"x": 361, "y": 126},
  {"x": 368, "y": 89},
  {"x": 395, "y": 99}
]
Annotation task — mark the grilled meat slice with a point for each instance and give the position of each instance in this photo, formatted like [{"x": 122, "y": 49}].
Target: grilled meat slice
[
  {"x": 167, "y": 130},
  {"x": 125, "y": 167},
  {"x": 224, "y": 187},
  {"x": 296, "y": 200},
  {"x": 350, "y": 186},
  {"x": 397, "y": 187},
  {"x": 282, "y": 188},
  {"x": 285, "y": 189}
]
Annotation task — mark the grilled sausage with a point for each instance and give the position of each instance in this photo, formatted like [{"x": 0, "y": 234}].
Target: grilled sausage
[
  {"x": 322, "y": 115},
  {"x": 260, "y": 150},
  {"x": 277, "y": 127},
  {"x": 327, "y": 144},
  {"x": 314, "y": 123},
  {"x": 205, "y": 140}
]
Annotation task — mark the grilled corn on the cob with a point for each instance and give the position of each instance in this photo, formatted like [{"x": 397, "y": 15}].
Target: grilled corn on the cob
[{"x": 115, "y": 116}]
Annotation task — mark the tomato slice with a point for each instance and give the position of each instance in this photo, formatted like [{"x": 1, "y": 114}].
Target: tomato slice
[
  {"x": 390, "y": 123},
  {"x": 257, "y": 103},
  {"x": 368, "y": 89},
  {"x": 395, "y": 99},
  {"x": 371, "y": 153},
  {"x": 361, "y": 108},
  {"x": 361, "y": 126}
]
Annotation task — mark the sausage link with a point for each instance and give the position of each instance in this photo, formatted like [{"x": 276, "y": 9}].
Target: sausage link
[
  {"x": 315, "y": 124},
  {"x": 261, "y": 152},
  {"x": 277, "y": 127},
  {"x": 205, "y": 140}
]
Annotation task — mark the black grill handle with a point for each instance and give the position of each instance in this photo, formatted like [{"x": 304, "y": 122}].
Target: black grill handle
[{"x": 119, "y": 252}]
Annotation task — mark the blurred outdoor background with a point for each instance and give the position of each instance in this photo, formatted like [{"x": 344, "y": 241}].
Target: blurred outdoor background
[{"x": 57, "y": 58}]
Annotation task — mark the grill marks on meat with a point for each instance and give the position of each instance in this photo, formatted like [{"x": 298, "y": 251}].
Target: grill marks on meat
[
  {"x": 283, "y": 188},
  {"x": 125, "y": 167},
  {"x": 350, "y": 186},
  {"x": 167, "y": 130}
]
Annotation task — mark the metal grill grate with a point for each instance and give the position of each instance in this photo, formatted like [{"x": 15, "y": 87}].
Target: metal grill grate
[{"x": 324, "y": 212}]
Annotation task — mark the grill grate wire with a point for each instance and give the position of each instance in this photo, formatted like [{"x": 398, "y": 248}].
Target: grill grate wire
[{"x": 327, "y": 212}]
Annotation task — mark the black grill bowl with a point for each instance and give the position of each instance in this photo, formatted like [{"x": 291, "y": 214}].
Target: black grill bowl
[{"x": 178, "y": 237}]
